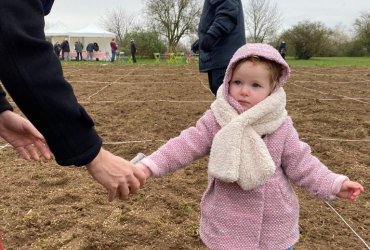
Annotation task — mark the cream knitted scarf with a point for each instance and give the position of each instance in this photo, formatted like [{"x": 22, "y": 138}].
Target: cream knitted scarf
[{"x": 238, "y": 153}]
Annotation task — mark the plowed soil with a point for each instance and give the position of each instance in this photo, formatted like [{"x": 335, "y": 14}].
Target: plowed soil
[{"x": 138, "y": 107}]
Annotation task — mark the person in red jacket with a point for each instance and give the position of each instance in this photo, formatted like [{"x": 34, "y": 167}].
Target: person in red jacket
[{"x": 113, "y": 46}]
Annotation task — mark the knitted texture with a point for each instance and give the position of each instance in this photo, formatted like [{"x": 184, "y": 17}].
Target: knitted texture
[
  {"x": 238, "y": 153},
  {"x": 265, "y": 217}
]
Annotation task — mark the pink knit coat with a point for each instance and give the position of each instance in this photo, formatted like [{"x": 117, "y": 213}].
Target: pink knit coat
[{"x": 267, "y": 216}]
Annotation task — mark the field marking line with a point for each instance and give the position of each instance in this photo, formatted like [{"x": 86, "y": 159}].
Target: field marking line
[
  {"x": 141, "y": 82},
  {"x": 316, "y": 81},
  {"x": 327, "y": 99},
  {"x": 345, "y": 222},
  {"x": 199, "y": 101},
  {"x": 346, "y": 140},
  {"x": 323, "y": 93},
  {"x": 353, "y": 73},
  {"x": 5, "y": 146},
  {"x": 73, "y": 71},
  {"x": 129, "y": 142},
  {"x": 161, "y": 140},
  {"x": 142, "y": 75},
  {"x": 137, "y": 101},
  {"x": 201, "y": 82},
  {"x": 106, "y": 86}
]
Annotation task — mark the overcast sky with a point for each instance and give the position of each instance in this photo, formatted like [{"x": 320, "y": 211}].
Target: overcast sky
[{"x": 79, "y": 13}]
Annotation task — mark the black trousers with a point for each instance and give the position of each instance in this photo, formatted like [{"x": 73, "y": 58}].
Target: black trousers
[
  {"x": 215, "y": 79},
  {"x": 133, "y": 57}
]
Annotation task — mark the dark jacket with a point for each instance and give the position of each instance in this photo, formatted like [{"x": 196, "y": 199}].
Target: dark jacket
[
  {"x": 224, "y": 20},
  {"x": 34, "y": 79},
  {"x": 282, "y": 48},
  {"x": 65, "y": 46},
  {"x": 4, "y": 104},
  {"x": 96, "y": 46},
  {"x": 133, "y": 48},
  {"x": 90, "y": 47},
  {"x": 79, "y": 46},
  {"x": 57, "y": 48},
  {"x": 46, "y": 5}
]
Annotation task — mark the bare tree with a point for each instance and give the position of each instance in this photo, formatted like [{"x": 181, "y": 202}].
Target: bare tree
[
  {"x": 262, "y": 20},
  {"x": 118, "y": 22},
  {"x": 173, "y": 19},
  {"x": 362, "y": 29}
]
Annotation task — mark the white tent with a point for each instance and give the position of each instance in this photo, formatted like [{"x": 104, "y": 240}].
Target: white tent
[
  {"x": 92, "y": 33},
  {"x": 89, "y": 34},
  {"x": 57, "y": 32}
]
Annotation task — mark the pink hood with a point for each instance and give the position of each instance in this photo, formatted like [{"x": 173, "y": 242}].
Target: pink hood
[{"x": 258, "y": 49}]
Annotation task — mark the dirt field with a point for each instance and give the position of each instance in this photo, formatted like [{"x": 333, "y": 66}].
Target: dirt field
[{"x": 137, "y": 108}]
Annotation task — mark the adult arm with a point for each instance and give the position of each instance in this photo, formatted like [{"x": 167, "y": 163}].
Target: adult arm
[
  {"x": 226, "y": 17},
  {"x": 32, "y": 75}
]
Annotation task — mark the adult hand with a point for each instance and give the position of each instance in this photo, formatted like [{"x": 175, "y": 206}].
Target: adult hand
[
  {"x": 195, "y": 46},
  {"x": 207, "y": 43},
  {"x": 23, "y": 136},
  {"x": 118, "y": 176},
  {"x": 350, "y": 190}
]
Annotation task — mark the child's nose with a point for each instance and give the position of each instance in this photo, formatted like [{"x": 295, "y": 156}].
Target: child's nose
[{"x": 245, "y": 90}]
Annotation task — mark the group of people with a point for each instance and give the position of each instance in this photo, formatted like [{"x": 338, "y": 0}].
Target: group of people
[
  {"x": 255, "y": 151},
  {"x": 62, "y": 50},
  {"x": 114, "y": 49}
]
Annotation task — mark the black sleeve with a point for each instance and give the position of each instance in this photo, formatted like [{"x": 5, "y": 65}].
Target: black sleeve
[
  {"x": 33, "y": 77},
  {"x": 226, "y": 17},
  {"x": 46, "y": 5},
  {"x": 4, "y": 104}
]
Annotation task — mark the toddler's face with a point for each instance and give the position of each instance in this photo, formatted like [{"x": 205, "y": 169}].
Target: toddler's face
[{"x": 250, "y": 84}]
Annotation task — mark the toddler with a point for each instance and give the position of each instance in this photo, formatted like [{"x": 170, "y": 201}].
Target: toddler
[{"x": 255, "y": 156}]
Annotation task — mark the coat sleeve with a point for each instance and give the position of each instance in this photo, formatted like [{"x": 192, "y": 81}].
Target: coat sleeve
[
  {"x": 190, "y": 145},
  {"x": 4, "y": 104},
  {"x": 226, "y": 17},
  {"x": 33, "y": 77},
  {"x": 306, "y": 170}
]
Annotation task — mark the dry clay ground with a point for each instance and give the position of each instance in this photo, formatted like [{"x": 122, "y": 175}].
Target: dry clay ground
[{"x": 136, "y": 108}]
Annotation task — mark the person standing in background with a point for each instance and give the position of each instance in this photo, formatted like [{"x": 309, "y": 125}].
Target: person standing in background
[
  {"x": 79, "y": 47},
  {"x": 133, "y": 50},
  {"x": 221, "y": 32},
  {"x": 113, "y": 46},
  {"x": 34, "y": 79},
  {"x": 96, "y": 47},
  {"x": 282, "y": 49},
  {"x": 65, "y": 49},
  {"x": 89, "y": 51},
  {"x": 57, "y": 49}
]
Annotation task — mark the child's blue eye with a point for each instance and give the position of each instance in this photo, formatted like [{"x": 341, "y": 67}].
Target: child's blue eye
[
  {"x": 256, "y": 85},
  {"x": 237, "y": 82}
]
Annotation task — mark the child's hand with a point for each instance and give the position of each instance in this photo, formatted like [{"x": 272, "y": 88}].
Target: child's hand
[
  {"x": 145, "y": 169},
  {"x": 350, "y": 190}
]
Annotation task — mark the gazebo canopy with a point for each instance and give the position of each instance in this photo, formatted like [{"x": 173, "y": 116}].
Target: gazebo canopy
[
  {"x": 58, "y": 29},
  {"x": 91, "y": 30}
]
